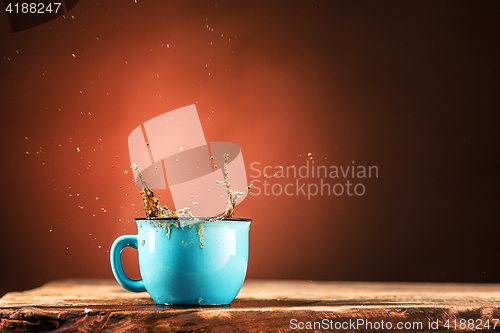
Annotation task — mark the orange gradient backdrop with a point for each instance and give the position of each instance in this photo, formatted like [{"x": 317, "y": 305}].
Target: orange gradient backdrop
[{"x": 408, "y": 87}]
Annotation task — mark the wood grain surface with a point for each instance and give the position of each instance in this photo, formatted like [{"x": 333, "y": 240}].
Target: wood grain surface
[{"x": 261, "y": 306}]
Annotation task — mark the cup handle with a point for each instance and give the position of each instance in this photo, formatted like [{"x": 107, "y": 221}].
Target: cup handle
[{"x": 116, "y": 263}]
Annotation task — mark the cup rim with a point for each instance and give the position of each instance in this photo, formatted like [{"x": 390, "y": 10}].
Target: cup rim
[{"x": 187, "y": 218}]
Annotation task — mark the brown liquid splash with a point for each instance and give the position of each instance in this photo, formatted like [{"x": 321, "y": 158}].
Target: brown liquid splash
[{"x": 153, "y": 208}]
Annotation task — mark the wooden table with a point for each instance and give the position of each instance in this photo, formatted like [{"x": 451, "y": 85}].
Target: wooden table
[{"x": 261, "y": 306}]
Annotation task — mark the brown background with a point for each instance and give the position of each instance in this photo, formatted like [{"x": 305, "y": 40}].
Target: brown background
[{"x": 411, "y": 87}]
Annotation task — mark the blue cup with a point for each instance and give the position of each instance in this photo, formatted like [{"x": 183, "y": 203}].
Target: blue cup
[{"x": 186, "y": 261}]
